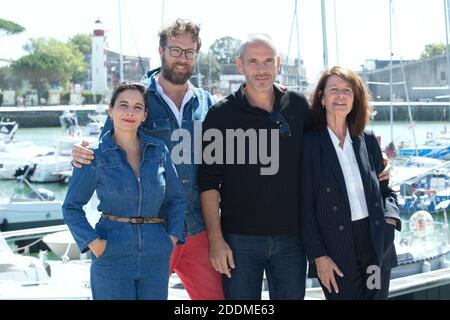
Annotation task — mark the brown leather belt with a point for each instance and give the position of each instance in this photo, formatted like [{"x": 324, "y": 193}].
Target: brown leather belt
[{"x": 133, "y": 220}]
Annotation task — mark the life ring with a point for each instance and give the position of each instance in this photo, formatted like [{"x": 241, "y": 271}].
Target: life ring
[{"x": 421, "y": 223}]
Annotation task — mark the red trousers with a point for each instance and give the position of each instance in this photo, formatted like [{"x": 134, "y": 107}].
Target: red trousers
[{"x": 191, "y": 263}]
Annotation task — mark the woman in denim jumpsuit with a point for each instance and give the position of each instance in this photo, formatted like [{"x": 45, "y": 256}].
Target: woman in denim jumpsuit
[{"x": 134, "y": 178}]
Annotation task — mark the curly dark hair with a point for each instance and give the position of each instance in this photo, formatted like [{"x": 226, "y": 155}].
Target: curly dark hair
[
  {"x": 359, "y": 115},
  {"x": 178, "y": 27},
  {"x": 128, "y": 86}
]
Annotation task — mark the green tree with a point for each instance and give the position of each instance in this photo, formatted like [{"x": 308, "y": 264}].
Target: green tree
[
  {"x": 9, "y": 27},
  {"x": 7, "y": 79},
  {"x": 83, "y": 43},
  {"x": 225, "y": 49},
  {"x": 433, "y": 49},
  {"x": 50, "y": 62}
]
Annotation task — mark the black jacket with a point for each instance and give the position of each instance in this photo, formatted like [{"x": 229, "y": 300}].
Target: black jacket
[{"x": 326, "y": 219}]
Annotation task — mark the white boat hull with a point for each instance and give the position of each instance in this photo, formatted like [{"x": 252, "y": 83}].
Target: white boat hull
[
  {"x": 63, "y": 245},
  {"x": 30, "y": 214}
]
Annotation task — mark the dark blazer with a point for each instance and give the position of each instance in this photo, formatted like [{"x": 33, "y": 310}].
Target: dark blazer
[{"x": 326, "y": 217}]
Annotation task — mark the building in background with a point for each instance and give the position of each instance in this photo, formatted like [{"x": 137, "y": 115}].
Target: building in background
[
  {"x": 426, "y": 80},
  {"x": 133, "y": 67},
  {"x": 292, "y": 74},
  {"x": 5, "y": 62}
]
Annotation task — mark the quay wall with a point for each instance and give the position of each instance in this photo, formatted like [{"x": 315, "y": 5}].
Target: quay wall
[
  {"x": 419, "y": 111},
  {"x": 47, "y": 116}
]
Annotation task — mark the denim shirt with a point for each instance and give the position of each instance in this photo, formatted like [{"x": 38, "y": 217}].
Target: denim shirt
[
  {"x": 161, "y": 123},
  {"x": 121, "y": 193}
]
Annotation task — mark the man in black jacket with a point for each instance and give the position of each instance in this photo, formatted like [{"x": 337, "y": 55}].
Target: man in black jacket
[{"x": 253, "y": 178}]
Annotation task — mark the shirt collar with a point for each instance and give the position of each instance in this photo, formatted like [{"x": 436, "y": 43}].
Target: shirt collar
[
  {"x": 150, "y": 81},
  {"x": 189, "y": 92},
  {"x": 240, "y": 95},
  {"x": 335, "y": 139},
  {"x": 187, "y": 96}
]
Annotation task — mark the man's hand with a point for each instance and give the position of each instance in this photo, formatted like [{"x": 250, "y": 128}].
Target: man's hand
[
  {"x": 325, "y": 270},
  {"x": 384, "y": 175},
  {"x": 221, "y": 256},
  {"x": 81, "y": 154},
  {"x": 174, "y": 240},
  {"x": 391, "y": 221}
]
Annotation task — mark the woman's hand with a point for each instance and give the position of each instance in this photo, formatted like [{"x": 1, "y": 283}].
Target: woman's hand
[
  {"x": 81, "y": 154},
  {"x": 385, "y": 174},
  {"x": 325, "y": 270},
  {"x": 97, "y": 247}
]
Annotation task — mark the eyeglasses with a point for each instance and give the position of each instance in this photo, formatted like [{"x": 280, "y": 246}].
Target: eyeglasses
[
  {"x": 278, "y": 119},
  {"x": 177, "y": 52}
]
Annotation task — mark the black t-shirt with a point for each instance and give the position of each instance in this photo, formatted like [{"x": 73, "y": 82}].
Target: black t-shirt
[{"x": 253, "y": 203}]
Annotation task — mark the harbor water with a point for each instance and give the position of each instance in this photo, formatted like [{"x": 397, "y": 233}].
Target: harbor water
[{"x": 49, "y": 137}]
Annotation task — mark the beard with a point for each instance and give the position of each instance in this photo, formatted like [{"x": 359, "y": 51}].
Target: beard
[{"x": 175, "y": 76}]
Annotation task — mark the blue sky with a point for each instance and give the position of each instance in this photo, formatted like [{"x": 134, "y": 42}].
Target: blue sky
[{"x": 362, "y": 25}]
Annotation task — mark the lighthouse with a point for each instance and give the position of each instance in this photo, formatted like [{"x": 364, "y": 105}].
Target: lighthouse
[{"x": 98, "y": 59}]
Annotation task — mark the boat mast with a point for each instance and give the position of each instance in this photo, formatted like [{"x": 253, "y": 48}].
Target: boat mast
[
  {"x": 405, "y": 85},
  {"x": 120, "y": 43},
  {"x": 299, "y": 64},
  {"x": 391, "y": 110},
  {"x": 447, "y": 14},
  {"x": 336, "y": 32},
  {"x": 324, "y": 35},
  {"x": 162, "y": 14}
]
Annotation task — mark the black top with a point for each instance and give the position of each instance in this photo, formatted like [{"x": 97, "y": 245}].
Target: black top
[
  {"x": 252, "y": 203},
  {"x": 326, "y": 219}
]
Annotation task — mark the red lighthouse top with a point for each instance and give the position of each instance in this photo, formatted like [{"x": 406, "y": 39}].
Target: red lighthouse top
[{"x": 98, "y": 29}]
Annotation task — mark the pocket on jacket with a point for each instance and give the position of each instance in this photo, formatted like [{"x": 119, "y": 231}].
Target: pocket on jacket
[
  {"x": 160, "y": 124},
  {"x": 107, "y": 163},
  {"x": 160, "y": 129}
]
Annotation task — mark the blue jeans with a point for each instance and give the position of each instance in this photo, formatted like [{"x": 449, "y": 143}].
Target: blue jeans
[{"x": 281, "y": 257}]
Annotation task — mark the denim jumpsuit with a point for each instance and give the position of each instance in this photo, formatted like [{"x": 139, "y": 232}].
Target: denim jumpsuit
[
  {"x": 161, "y": 123},
  {"x": 135, "y": 263}
]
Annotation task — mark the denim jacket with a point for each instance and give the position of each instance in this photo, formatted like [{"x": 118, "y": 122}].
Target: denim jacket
[
  {"x": 161, "y": 123},
  {"x": 121, "y": 192}
]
